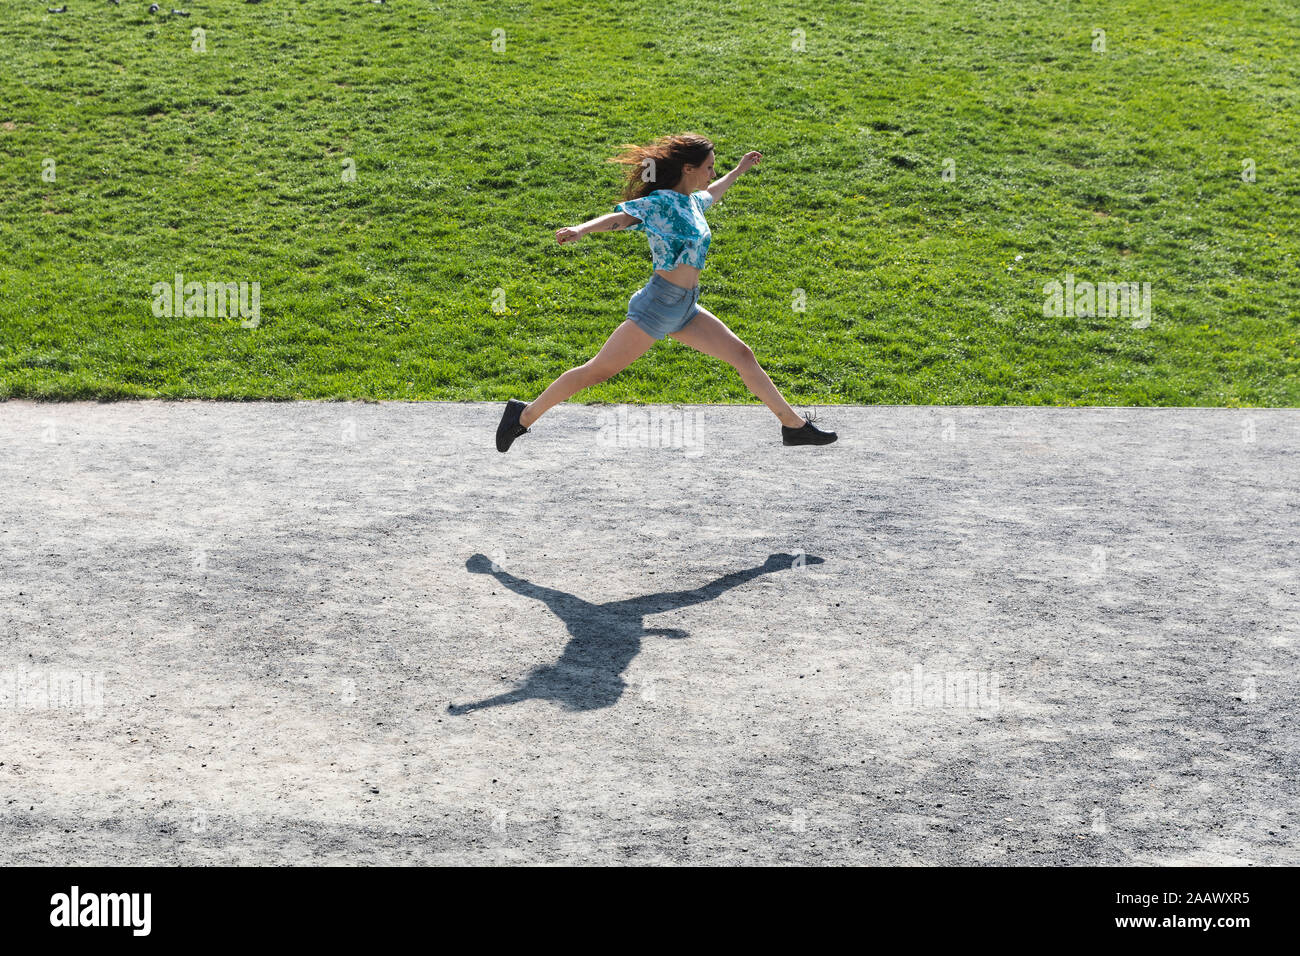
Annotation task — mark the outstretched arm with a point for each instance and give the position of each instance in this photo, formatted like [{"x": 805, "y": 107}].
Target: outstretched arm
[
  {"x": 671, "y": 600},
  {"x": 611, "y": 223},
  {"x": 481, "y": 564},
  {"x": 726, "y": 182}
]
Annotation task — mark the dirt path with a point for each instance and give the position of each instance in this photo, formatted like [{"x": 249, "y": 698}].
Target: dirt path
[{"x": 325, "y": 632}]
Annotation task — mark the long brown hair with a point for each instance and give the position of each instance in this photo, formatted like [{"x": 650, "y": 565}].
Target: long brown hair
[{"x": 659, "y": 165}]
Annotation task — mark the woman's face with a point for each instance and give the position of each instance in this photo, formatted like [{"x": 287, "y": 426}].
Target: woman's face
[
  {"x": 700, "y": 176},
  {"x": 706, "y": 172}
]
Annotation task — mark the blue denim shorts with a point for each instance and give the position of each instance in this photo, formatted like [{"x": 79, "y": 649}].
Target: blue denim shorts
[{"x": 660, "y": 307}]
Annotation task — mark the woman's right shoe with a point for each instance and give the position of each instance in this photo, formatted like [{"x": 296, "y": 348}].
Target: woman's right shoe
[
  {"x": 806, "y": 434},
  {"x": 510, "y": 429}
]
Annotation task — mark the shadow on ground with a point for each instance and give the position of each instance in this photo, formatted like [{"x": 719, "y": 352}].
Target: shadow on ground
[{"x": 606, "y": 637}]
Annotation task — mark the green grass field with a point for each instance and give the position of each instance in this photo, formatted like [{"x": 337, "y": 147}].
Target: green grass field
[{"x": 226, "y": 165}]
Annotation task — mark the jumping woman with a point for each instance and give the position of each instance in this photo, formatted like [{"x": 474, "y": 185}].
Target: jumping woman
[{"x": 672, "y": 218}]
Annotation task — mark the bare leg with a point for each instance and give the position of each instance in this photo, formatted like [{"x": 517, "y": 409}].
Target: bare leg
[
  {"x": 625, "y": 345},
  {"x": 710, "y": 335}
]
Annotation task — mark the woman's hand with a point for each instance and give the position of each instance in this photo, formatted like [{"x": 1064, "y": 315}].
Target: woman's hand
[
  {"x": 568, "y": 234},
  {"x": 749, "y": 159}
]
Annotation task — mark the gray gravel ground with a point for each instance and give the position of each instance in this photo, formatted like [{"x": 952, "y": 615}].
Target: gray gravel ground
[{"x": 356, "y": 633}]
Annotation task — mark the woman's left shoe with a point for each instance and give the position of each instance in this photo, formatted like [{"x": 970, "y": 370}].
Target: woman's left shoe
[
  {"x": 510, "y": 427},
  {"x": 806, "y": 434}
]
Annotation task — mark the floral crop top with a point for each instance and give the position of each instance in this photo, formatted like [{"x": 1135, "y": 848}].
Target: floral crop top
[{"x": 674, "y": 224}]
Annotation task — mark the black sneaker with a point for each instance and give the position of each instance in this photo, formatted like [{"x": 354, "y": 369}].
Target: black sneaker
[
  {"x": 806, "y": 434},
  {"x": 510, "y": 429}
]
